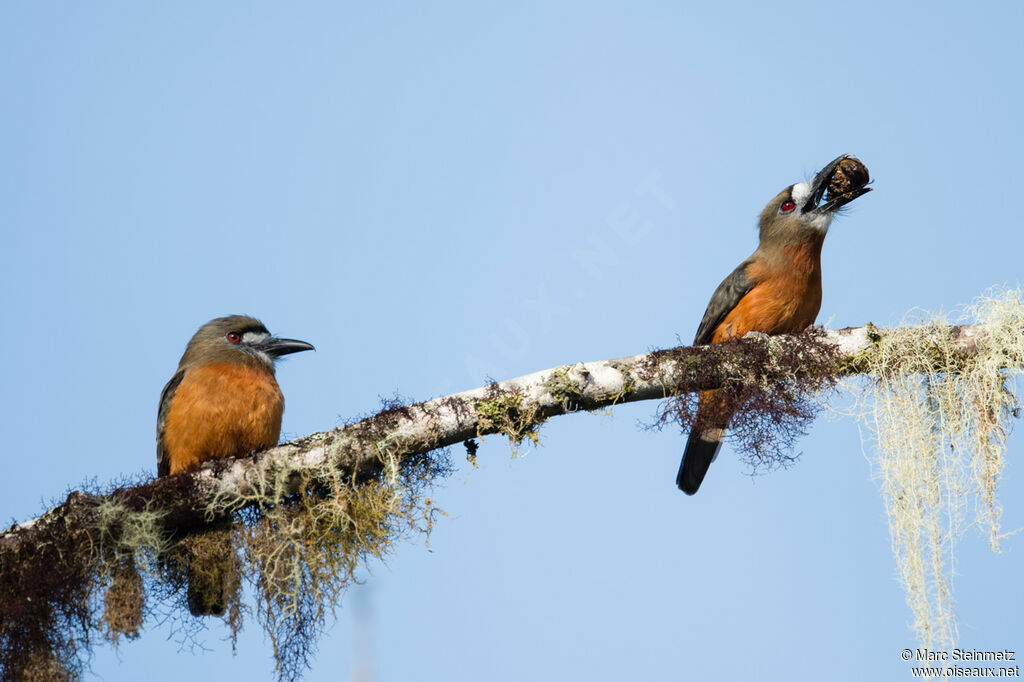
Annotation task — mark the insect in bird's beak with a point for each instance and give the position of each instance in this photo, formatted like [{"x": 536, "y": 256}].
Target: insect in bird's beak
[{"x": 844, "y": 179}]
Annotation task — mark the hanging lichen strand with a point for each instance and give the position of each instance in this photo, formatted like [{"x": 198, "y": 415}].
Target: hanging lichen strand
[{"x": 941, "y": 416}]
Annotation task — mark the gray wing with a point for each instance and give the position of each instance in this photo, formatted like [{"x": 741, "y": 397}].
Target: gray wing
[
  {"x": 163, "y": 466},
  {"x": 726, "y": 296}
]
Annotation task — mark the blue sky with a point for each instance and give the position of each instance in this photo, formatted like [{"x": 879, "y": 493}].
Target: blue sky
[{"x": 420, "y": 191}]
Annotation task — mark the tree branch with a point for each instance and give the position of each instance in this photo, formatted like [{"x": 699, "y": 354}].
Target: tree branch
[{"x": 514, "y": 407}]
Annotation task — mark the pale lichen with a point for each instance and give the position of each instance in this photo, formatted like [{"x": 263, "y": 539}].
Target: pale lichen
[{"x": 941, "y": 418}]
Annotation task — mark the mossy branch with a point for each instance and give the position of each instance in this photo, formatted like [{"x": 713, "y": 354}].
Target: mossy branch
[
  {"x": 307, "y": 512},
  {"x": 361, "y": 448}
]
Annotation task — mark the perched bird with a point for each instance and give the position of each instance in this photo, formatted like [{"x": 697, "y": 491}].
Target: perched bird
[
  {"x": 222, "y": 402},
  {"x": 775, "y": 291}
]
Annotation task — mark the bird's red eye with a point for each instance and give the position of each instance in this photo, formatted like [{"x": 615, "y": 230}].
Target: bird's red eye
[
  {"x": 788, "y": 206},
  {"x": 234, "y": 337}
]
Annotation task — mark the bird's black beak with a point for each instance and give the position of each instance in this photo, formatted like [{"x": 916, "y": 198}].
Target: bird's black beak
[
  {"x": 275, "y": 347},
  {"x": 820, "y": 184}
]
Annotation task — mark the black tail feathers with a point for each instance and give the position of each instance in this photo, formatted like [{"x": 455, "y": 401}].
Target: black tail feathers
[
  {"x": 206, "y": 593},
  {"x": 701, "y": 450}
]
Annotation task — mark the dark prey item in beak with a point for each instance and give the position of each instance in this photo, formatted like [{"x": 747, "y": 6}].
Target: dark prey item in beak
[
  {"x": 848, "y": 182},
  {"x": 275, "y": 347},
  {"x": 844, "y": 178},
  {"x": 820, "y": 183}
]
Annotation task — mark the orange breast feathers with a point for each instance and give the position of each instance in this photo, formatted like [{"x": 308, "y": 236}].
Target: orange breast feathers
[
  {"x": 221, "y": 410},
  {"x": 785, "y": 298}
]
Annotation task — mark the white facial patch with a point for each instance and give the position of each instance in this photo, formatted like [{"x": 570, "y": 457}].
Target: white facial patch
[
  {"x": 801, "y": 192},
  {"x": 818, "y": 220},
  {"x": 255, "y": 337},
  {"x": 252, "y": 341}
]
